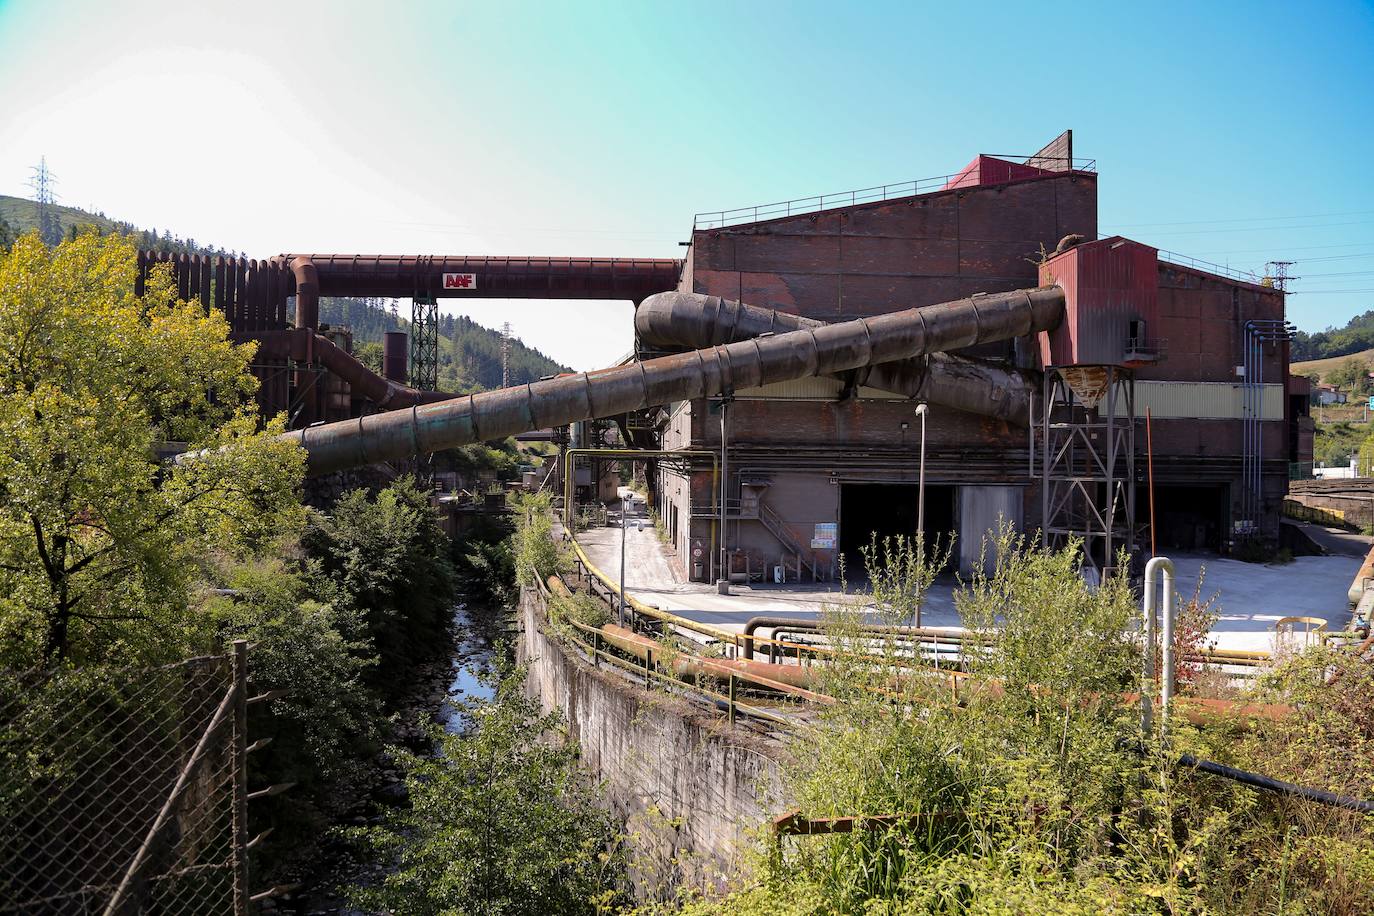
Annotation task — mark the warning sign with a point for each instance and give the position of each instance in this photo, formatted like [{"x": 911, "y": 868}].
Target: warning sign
[{"x": 460, "y": 281}]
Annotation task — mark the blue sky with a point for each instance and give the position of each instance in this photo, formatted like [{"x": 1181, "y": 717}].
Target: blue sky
[{"x": 1237, "y": 133}]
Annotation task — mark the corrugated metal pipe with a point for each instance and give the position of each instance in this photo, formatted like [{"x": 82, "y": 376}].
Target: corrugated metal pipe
[
  {"x": 690, "y": 320},
  {"x": 803, "y": 353}
]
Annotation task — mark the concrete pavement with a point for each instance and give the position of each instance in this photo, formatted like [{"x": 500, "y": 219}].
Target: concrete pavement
[{"x": 1251, "y": 597}]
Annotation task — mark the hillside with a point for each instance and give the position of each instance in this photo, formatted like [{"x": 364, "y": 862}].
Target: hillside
[
  {"x": 1357, "y": 335},
  {"x": 469, "y": 354},
  {"x": 18, "y": 215},
  {"x": 1323, "y": 367}
]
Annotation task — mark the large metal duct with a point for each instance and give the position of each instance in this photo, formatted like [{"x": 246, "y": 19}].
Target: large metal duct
[
  {"x": 702, "y": 373},
  {"x": 470, "y": 277},
  {"x": 691, "y": 320},
  {"x": 305, "y": 346}
]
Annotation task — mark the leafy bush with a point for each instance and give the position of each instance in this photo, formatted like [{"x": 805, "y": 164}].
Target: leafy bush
[
  {"x": 536, "y": 554},
  {"x": 1035, "y": 792},
  {"x": 385, "y": 562},
  {"x": 501, "y": 821}
]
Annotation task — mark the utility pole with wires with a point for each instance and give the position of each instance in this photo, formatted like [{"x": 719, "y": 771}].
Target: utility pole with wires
[
  {"x": 1277, "y": 272},
  {"x": 505, "y": 355},
  {"x": 41, "y": 181}
]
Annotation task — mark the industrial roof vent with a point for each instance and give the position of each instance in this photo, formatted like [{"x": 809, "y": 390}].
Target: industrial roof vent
[{"x": 1111, "y": 300}]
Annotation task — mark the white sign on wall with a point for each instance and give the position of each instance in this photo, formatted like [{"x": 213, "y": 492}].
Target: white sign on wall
[
  {"x": 825, "y": 536},
  {"x": 460, "y": 281}
]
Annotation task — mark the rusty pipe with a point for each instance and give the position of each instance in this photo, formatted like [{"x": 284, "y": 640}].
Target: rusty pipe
[
  {"x": 792, "y": 679},
  {"x": 754, "y": 624},
  {"x": 307, "y": 292},
  {"x": 305, "y": 346},
  {"x": 690, "y": 320},
  {"x": 702, "y": 373}
]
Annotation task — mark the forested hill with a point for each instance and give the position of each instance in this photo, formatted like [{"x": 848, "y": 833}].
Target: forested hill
[
  {"x": 1357, "y": 335},
  {"x": 469, "y": 354},
  {"x": 18, "y": 216}
]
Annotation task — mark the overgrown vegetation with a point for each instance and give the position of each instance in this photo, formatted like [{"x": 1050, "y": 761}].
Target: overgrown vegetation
[
  {"x": 536, "y": 553},
  {"x": 501, "y": 821},
  {"x": 110, "y": 557},
  {"x": 100, "y": 544},
  {"x": 1034, "y": 791},
  {"x": 1336, "y": 443}
]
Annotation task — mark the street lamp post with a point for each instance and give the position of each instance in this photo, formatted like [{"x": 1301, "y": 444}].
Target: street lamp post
[
  {"x": 921, "y": 411},
  {"x": 622, "y": 559},
  {"x": 723, "y": 573}
]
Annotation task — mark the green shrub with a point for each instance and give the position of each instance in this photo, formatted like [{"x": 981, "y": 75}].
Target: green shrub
[
  {"x": 501, "y": 820},
  {"x": 536, "y": 554}
]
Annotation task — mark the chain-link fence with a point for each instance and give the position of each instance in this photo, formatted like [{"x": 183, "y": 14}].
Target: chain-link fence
[{"x": 122, "y": 791}]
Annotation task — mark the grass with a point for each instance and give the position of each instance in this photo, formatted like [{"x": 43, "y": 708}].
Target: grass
[
  {"x": 1323, "y": 366},
  {"x": 23, "y": 215}
]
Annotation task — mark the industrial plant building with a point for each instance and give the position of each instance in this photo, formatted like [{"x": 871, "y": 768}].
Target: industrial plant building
[
  {"x": 1144, "y": 399},
  {"x": 818, "y": 466}
]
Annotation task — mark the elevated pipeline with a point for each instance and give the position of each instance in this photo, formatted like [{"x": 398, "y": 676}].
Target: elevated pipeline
[
  {"x": 802, "y": 353},
  {"x": 478, "y": 276},
  {"x": 304, "y": 345},
  {"x": 678, "y": 320}
]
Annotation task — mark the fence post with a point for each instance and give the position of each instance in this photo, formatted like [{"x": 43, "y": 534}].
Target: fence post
[
  {"x": 648, "y": 669},
  {"x": 732, "y": 698},
  {"x": 240, "y": 794}
]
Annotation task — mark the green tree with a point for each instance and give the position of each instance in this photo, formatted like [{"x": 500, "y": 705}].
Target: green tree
[
  {"x": 501, "y": 822},
  {"x": 385, "y": 559},
  {"x": 100, "y": 542}
]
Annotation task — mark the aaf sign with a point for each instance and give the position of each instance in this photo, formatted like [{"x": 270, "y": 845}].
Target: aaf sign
[{"x": 460, "y": 281}]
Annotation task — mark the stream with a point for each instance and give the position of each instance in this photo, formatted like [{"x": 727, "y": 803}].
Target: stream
[{"x": 476, "y": 632}]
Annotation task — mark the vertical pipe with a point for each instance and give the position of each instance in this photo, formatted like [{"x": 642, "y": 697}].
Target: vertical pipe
[
  {"x": 220, "y": 301},
  {"x": 1150, "y": 473},
  {"x": 239, "y": 816},
  {"x": 723, "y": 581},
  {"x": 922, "y": 410},
  {"x": 1166, "y": 690},
  {"x": 623, "y": 526},
  {"x": 205, "y": 284},
  {"x": 1149, "y": 626}
]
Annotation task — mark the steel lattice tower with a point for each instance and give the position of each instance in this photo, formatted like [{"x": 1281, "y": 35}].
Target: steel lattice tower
[
  {"x": 424, "y": 343},
  {"x": 505, "y": 355},
  {"x": 41, "y": 182}
]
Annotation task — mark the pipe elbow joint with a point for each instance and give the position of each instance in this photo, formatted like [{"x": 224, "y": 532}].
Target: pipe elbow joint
[{"x": 307, "y": 292}]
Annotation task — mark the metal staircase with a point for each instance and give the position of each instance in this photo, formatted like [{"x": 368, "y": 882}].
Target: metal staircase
[{"x": 775, "y": 526}]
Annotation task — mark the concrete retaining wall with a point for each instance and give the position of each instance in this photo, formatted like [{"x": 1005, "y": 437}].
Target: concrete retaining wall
[{"x": 694, "y": 793}]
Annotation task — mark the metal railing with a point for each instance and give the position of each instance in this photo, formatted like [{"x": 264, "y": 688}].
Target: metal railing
[
  {"x": 717, "y": 219},
  {"x": 1182, "y": 260}
]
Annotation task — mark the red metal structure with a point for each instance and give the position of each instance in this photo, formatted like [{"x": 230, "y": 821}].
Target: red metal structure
[{"x": 490, "y": 277}]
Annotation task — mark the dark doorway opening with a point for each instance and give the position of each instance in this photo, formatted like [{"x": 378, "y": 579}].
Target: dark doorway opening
[
  {"x": 1187, "y": 517},
  {"x": 887, "y": 509}
]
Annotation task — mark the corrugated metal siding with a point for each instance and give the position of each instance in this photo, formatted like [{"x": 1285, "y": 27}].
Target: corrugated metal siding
[
  {"x": 1107, "y": 284},
  {"x": 1203, "y": 400}
]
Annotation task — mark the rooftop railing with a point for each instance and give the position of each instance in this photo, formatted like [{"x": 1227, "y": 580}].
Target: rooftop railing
[
  {"x": 717, "y": 219},
  {"x": 1182, "y": 260}
]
